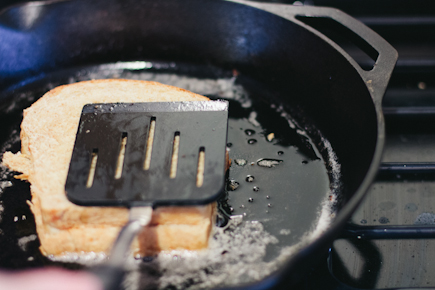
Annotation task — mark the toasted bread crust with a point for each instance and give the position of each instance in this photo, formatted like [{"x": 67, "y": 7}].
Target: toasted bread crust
[{"x": 47, "y": 138}]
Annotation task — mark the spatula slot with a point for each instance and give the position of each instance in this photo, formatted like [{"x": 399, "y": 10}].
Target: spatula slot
[
  {"x": 150, "y": 141},
  {"x": 174, "y": 159},
  {"x": 201, "y": 166},
  {"x": 121, "y": 156},
  {"x": 92, "y": 168}
]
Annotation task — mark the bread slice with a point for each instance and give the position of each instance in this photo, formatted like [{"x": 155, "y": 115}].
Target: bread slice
[{"x": 48, "y": 133}]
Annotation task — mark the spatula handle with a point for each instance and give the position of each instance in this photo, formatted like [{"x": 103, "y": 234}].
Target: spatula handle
[
  {"x": 111, "y": 277},
  {"x": 112, "y": 273}
]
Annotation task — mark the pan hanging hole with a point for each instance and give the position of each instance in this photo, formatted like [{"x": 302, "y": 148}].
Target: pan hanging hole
[
  {"x": 121, "y": 156},
  {"x": 201, "y": 166},
  {"x": 150, "y": 141},
  {"x": 174, "y": 159},
  {"x": 92, "y": 168}
]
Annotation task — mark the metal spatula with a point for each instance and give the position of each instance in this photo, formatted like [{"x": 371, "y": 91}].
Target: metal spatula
[{"x": 143, "y": 155}]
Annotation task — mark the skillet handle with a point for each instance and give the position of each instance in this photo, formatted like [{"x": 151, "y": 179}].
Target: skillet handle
[{"x": 377, "y": 78}]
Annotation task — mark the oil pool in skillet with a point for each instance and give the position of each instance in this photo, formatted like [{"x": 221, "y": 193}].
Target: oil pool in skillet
[
  {"x": 250, "y": 178},
  {"x": 240, "y": 162},
  {"x": 267, "y": 162},
  {"x": 249, "y": 132},
  {"x": 247, "y": 244}
]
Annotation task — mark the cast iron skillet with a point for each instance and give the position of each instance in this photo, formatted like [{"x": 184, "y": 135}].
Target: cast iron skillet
[{"x": 308, "y": 74}]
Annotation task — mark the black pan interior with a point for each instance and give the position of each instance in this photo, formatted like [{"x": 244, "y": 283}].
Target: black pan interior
[{"x": 278, "y": 61}]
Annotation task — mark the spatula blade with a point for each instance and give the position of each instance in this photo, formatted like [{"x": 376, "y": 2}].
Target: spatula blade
[{"x": 112, "y": 163}]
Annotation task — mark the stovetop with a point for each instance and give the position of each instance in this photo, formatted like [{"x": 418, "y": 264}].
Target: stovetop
[{"x": 388, "y": 243}]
